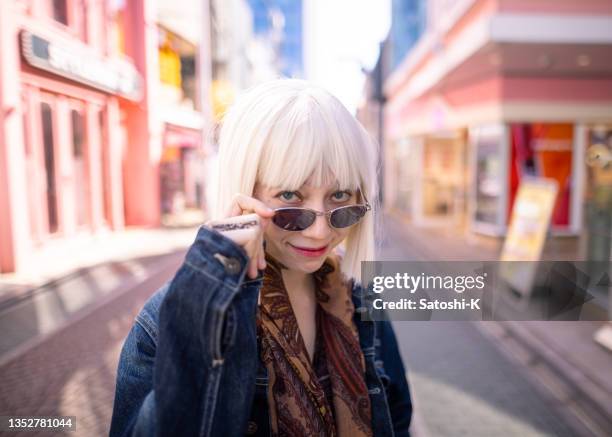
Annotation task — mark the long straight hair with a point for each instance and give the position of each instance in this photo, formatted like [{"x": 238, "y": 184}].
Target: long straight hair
[{"x": 281, "y": 133}]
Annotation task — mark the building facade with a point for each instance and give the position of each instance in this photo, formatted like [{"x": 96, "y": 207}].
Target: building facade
[
  {"x": 496, "y": 91},
  {"x": 181, "y": 167},
  {"x": 83, "y": 135}
]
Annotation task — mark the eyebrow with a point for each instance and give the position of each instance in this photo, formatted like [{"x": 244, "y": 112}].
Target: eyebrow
[{"x": 333, "y": 190}]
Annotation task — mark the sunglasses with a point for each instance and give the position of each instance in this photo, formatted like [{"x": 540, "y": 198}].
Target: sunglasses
[{"x": 298, "y": 219}]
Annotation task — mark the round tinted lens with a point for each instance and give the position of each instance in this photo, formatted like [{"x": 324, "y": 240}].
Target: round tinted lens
[
  {"x": 347, "y": 216},
  {"x": 293, "y": 219}
]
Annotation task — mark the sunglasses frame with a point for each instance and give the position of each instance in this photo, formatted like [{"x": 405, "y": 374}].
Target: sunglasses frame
[{"x": 328, "y": 214}]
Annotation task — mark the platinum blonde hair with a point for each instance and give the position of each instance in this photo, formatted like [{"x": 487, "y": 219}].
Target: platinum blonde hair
[{"x": 282, "y": 132}]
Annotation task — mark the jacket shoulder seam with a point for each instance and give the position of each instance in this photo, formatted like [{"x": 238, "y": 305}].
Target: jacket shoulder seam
[{"x": 146, "y": 325}]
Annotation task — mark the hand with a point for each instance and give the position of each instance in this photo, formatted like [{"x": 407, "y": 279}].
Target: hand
[{"x": 244, "y": 223}]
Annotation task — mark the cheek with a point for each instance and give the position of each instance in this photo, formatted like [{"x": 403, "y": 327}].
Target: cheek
[
  {"x": 272, "y": 233},
  {"x": 340, "y": 235}
]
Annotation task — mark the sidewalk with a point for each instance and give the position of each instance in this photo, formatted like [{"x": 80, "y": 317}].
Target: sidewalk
[
  {"x": 70, "y": 280},
  {"x": 566, "y": 349},
  {"x": 58, "y": 260}
]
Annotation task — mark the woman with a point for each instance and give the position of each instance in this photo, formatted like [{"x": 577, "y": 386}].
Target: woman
[{"x": 262, "y": 329}]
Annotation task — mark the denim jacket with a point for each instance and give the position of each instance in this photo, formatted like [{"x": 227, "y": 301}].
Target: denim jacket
[{"x": 190, "y": 365}]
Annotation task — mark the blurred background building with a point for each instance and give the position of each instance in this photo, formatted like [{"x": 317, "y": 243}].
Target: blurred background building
[
  {"x": 72, "y": 80},
  {"x": 481, "y": 94}
]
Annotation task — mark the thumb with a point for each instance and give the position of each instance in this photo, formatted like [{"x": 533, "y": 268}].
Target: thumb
[{"x": 264, "y": 223}]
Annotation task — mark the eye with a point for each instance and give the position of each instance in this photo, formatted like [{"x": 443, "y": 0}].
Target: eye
[
  {"x": 342, "y": 196},
  {"x": 288, "y": 196}
]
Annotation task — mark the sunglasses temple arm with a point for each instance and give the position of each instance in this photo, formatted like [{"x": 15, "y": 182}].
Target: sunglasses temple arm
[{"x": 365, "y": 198}]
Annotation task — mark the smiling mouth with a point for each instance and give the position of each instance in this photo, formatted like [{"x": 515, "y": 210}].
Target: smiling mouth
[{"x": 310, "y": 249}]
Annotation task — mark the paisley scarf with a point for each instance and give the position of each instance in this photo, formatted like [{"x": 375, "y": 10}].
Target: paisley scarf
[{"x": 297, "y": 400}]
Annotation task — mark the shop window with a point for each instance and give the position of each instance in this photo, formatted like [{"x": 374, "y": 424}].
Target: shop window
[
  {"x": 30, "y": 172},
  {"x": 80, "y": 171},
  {"x": 105, "y": 168},
  {"x": 544, "y": 150},
  {"x": 177, "y": 69},
  {"x": 440, "y": 177},
  {"x": 117, "y": 25},
  {"x": 488, "y": 184},
  {"x": 60, "y": 11},
  {"x": 71, "y": 14},
  {"x": 47, "y": 131},
  {"x": 27, "y": 146}
]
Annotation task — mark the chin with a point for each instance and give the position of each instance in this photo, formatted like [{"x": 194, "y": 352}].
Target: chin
[{"x": 311, "y": 266}]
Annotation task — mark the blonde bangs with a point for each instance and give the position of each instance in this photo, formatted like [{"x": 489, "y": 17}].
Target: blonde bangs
[{"x": 304, "y": 143}]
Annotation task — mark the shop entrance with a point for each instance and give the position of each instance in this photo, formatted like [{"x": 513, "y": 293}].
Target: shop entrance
[
  {"x": 50, "y": 186},
  {"x": 60, "y": 173},
  {"x": 444, "y": 181}
]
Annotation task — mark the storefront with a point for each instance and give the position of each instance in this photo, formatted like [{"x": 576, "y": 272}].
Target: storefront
[
  {"x": 444, "y": 183},
  {"x": 67, "y": 93},
  {"x": 530, "y": 102},
  {"x": 430, "y": 177},
  {"x": 402, "y": 171},
  {"x": 181, "y": 167},
  {"x": 181, "y": 178},
  {"x": 504, "y": 154},
  {"x": 62, "y": 143}
]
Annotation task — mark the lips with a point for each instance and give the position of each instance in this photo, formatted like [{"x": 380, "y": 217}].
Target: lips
[
  {"x": 308, "y": 251},
  {"x": 313, "y": 249}
]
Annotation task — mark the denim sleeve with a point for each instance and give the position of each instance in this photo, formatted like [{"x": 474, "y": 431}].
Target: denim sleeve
[
  {"x": 398, "y": 392},
  {"x": 169, "y": 385},
  {"x": 134, "y": 396}
]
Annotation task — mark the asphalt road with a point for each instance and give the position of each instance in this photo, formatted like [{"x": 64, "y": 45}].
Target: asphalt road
[{"x": 462, "y": 383}]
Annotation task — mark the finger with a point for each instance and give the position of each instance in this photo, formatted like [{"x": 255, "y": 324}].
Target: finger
[
  {"x": 262, "y": 261},
  {"x": 253, "y": 268},
  {"x": 262, "y": 256},
  {"x": 251, "y": 272},
  {"x": 256, "y": 257},
  {"x": 243, "y": 203},
  {"x": 241, "y": 228},
  {"x": 253, "y": 253},
  {"x": 264, "y": 223}
]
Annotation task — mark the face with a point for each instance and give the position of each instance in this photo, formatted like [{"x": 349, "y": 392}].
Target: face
[{"x": 290, "y": 247}]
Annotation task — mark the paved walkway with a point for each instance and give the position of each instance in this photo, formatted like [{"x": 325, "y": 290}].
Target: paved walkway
[
  {"x": 72, "y": 372},
  {"x": 565, "y": 351},
  {"x": 73, "y": 278},
  {"x": 68, "y": 256}
]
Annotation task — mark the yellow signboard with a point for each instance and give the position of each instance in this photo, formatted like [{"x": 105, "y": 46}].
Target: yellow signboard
[
  {"x": 530, "y": 220},
  {"x": 529, "y": 225}
]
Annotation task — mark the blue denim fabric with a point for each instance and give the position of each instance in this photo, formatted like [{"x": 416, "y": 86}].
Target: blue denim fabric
[{"x": 190, "y": 364}]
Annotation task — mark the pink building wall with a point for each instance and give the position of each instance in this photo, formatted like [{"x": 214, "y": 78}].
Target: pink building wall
[
  {"x": 121, "y": 150},
  {"x": 556, "y": 6},
  {"x": 14, "y": 240},
  {"x": 500, "y": 73},
  {"x": 143, "y": 146},
  {"x": 491, "y": 65}
]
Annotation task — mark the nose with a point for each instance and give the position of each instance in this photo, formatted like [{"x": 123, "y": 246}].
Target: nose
[{"x": 319, "y": 230}]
